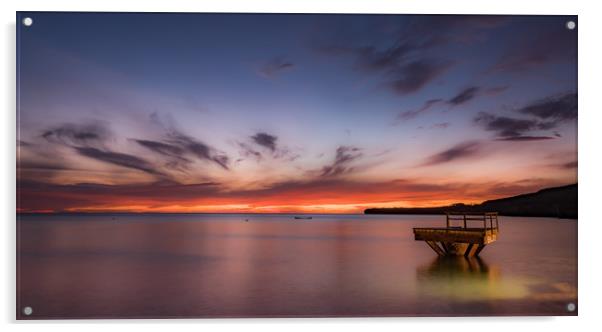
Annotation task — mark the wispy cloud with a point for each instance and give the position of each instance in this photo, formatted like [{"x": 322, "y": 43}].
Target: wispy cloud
[
  {"x": 89, "y": 140},
  {"x": 198, "y": 149},
  {"x": 408, "y": 115},
  {"x": 265, "y": 144},
  {"x": 174, "y": 154},
  {"x": 569, "y": 165},
  {"x": 460, "y": 151},
  {"x": 275, "y": 66},
  {"x": 464, "y": 96},
  {"x": 544, "y": 114},
  {"x": 94, "y": 133},
  {"x": 344, "y": 157},
  {"x": 120, "y": 159},
  {"x": 409, "y": 62},
  {"x": 265, "y": 140},
  {"x": 554, "y": 109},
  {"x": 524, "y": 138},
  {"x": 505, "y": 126},
  {"x": 413, "y": 76},
  {"x": 180, "y": 145}
]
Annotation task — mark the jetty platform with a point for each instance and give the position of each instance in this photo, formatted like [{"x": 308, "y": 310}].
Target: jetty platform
[{"x": 466, "y": 233}]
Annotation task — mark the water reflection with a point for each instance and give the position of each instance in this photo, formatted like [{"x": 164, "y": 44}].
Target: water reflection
[{"x": 461, "y": 278}]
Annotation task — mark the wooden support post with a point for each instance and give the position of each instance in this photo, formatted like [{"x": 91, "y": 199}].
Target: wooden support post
[
  {"x": 464, "y": 221},
  {"x": 479, "y": 248},
  {"x": 445, "y": 247},
  {"x": 436, "y": 248},
  {"x": 447, "y": 219},
  {"x": 468, "y": 252}
]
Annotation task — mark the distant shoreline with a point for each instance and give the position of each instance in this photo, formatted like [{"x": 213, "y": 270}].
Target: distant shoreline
[{"x": 557, "y": 202}]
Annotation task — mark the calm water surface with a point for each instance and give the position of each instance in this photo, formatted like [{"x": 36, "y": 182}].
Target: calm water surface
[{"x": 145, "y": 266}]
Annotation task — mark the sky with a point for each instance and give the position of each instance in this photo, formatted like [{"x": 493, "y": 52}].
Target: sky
[{"x": 274, "y": 113}]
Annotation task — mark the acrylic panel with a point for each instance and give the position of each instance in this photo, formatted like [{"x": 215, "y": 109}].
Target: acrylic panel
[{"x": 201, "y": 165}]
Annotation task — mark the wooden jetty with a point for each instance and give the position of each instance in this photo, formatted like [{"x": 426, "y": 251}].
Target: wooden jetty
[{"x": 461, "y": 240}]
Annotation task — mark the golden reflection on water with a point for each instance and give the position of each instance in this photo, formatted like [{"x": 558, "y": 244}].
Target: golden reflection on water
[{"x": 472, "y": 279}]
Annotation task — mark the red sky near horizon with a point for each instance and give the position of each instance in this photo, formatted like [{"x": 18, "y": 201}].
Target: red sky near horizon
[{"x": 291, "y": 113}]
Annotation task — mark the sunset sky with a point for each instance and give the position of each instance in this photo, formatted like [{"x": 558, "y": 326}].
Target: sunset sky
[{"x": 291, "y": 113}]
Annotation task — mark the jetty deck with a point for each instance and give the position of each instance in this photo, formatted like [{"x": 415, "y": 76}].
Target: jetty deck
[{"x": 461, "y": 239}]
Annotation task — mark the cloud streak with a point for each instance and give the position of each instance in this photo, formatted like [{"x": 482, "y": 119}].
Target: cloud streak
[
  {"x": 464, "y": 96},
  {"x": 179, "y": 145},
  {"x": 414, "y": 76},
  {"x": 345, "y": 155},
  {"x": 460, "y": 151},
  {"x": 544, "y": 114},
  {"x": 78, "y": 135},
  {"x": 461, "y": 98},
  {"x": 119, "y": 159},
  {"x": 275, "y": 66}
]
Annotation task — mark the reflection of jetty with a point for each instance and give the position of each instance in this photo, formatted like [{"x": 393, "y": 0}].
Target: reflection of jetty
[
  {"x": 452, "y": 267},
  {"x": 461, "y": 240}
]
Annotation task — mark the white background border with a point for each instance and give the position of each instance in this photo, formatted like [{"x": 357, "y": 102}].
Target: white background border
[{"x": 590, "y": 193}]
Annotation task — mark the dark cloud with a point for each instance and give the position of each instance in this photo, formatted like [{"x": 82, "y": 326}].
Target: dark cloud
[
  {"x": 266, "y": 140},
  {"x": 91, "y": 134},
  {"x": 505, "y": 126},
  {"x": 345, "y": 155},
  {"x": 161, "y": 148},
  {"x": 569, "y": 165},
  {"x": 120, "y": 159},
  {"x": 173, "y": 153},
  {"x": 88, "y": 140},
  {"x": 544, "y": 114},
  {"x": 415, "y": 38},
  {"x": 269, "y": 142},
  {"x": 275, "y": 66},
  {"x": 413, "y": 76},
  {"x": 371, "y": 59},
  {"x": 179, "y": 145},
  {"x": 553, "y": 109},
  {"x": 198, "y": 149},
  {"x": 524, "y": 138},
  {"x": 464, "y": 96},
  {"x": 460, "y": 151}
]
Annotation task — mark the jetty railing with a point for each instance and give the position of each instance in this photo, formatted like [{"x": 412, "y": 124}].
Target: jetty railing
[{"x": 466, "y": 217}]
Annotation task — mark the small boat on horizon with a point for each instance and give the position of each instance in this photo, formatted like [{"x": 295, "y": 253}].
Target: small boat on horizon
[{"x": 303, "y": 217}]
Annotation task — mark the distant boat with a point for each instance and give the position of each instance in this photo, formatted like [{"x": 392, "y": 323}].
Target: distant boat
[{"x": 302, "y": 217}]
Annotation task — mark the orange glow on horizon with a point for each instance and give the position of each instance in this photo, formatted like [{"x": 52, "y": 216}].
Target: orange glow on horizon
[{"x": 331, "y": 208}]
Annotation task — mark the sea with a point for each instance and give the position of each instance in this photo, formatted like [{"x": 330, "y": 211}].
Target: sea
[{"x": 72, "y": 266}]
